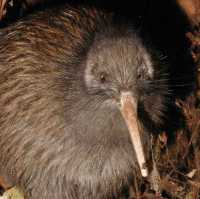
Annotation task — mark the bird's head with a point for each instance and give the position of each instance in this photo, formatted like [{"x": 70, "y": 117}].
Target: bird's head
[{"x": 122, "y": 72}]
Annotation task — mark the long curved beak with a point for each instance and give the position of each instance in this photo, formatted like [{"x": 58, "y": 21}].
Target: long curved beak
[{"x": 128, "y": 109}]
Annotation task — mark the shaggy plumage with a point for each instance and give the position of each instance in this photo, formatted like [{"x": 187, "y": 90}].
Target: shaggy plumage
[{"x": 61, "y": 133}]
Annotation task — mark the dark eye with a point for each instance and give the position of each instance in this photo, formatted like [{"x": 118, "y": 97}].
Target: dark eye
[
  {"x": 140, "y": 76},
  {"x": 142, "y": 73},
  {"x": 103, "y": 77}
]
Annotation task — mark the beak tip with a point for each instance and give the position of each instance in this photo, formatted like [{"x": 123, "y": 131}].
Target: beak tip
[{"x": 144, "y": 173}]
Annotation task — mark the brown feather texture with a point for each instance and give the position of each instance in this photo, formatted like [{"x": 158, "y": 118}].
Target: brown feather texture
[{"x": 62, "y": 134}]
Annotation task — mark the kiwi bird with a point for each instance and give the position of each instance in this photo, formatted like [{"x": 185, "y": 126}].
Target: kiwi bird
[{"x": 79, "y": 90}]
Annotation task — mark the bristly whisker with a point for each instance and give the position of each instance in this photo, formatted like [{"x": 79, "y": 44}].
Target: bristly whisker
[
  {"x": 181, "y": 85},
  {"x": 159, "y": 80}
]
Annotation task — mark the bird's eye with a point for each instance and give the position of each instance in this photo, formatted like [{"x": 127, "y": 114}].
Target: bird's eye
[
  {"x": 140, "y": 76},
  {"x": 142, "y": 73},
  {"x": 103, "y": 77}
]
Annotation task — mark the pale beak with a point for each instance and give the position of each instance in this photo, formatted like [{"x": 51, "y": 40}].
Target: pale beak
[{"x": 128, "y": 109}]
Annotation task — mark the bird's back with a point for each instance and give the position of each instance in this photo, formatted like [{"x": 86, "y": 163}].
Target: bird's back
[{"x": 39, "y": 57}]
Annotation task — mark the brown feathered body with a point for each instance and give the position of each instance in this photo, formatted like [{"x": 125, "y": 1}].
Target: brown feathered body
[{"x": 55, "y": 141}]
